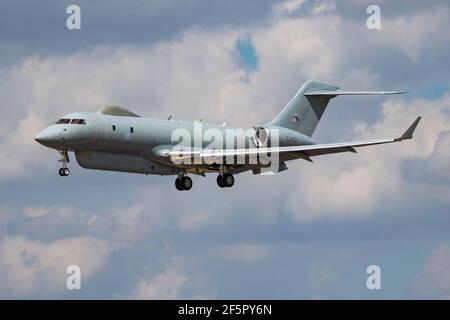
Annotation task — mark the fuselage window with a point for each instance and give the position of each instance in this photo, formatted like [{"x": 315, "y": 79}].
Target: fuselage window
[
  {"x": 63, "y": 121},
  {"x": 131, "y": 129},
  {"x": 114, "y": 128},
  {"x": 78, "y": 121}
]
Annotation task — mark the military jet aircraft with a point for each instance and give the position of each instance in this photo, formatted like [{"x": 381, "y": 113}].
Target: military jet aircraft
[{"x": 116, "y": 139}]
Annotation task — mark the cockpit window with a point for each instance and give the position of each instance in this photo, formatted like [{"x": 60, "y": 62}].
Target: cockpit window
[
  {"x": 78, "y": 121},
  {"x": 63, "y": 121}
]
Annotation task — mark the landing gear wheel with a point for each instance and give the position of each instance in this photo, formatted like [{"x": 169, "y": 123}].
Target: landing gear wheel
[
  {"x": 64, "y": 171},
  {"x": 220, "y": 181},
  {"x": 179, "y": 184},
  {"x": 228, "y": 180},
  {"x": 186, "y": 182}
]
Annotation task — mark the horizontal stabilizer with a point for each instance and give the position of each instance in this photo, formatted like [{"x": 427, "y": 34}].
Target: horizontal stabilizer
[{"x": 350, "y": 93}]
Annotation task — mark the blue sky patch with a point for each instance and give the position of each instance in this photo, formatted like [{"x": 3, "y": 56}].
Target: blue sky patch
[
  {"x": 246, "y": 52},
  {"x": 431, "y": 92}
]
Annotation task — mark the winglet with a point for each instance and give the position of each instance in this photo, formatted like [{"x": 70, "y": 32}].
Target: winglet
[{"x": 408, "y": 134}]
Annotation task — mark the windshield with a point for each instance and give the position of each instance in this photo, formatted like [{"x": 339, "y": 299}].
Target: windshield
[
  {"x": 63, "y": 121},
  {"x": 78, "y": 121}
]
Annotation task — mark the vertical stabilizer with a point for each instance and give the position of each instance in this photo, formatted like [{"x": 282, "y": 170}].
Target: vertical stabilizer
[{"x": 303, "y": 113}]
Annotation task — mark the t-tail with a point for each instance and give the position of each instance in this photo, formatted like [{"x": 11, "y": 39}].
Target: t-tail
[{"x": 305, "y": 109}]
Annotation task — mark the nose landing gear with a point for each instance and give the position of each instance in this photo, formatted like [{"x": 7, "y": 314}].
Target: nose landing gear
[
  {"x": 225, "y": 180},
  {"x": 183, "y": 183},
  {"x": 64, "y": 171}
]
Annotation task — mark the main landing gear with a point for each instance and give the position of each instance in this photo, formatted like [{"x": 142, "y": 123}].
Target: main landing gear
[
  {"x": 225, "y": 181},
  {"x": 183, "y": 183},
  {"x": 64, "y": 171}
]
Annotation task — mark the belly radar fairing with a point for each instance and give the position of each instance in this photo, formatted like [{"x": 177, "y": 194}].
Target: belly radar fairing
[{"x": 116, "y": 139}]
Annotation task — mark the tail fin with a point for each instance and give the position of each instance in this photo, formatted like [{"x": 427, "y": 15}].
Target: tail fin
[{"x": 303, "y": 113}]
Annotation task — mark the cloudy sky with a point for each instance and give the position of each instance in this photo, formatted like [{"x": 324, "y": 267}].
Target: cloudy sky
[{"x": 307, "y": 233}]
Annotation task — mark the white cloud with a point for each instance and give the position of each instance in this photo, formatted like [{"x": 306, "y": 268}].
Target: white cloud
[
  {"x": 149, "y": 216},
  {"x": 415, "y": 33},
  {"x": 356, "y": 184},
  {"x": 121, "y": 225},
  {"x": 129, "y": 223},
  {"x": 200, "y": 219},
  {"x": 33, "y": 267},
  {"x": 35, "y": 212},
  {"x": 434, "y": 280},
  {"x": 436, "y": 167},
  {"x": 324, "y": 7},
  {"x": 348, "y": 193},
  {"x": 50, "y": 222},
  {"x": 291, "y": 7},
  {"x": 287, "y": 7},
  {"x": 166, "y": 285}
]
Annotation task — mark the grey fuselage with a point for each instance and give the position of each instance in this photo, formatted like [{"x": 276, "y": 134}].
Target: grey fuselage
[{"x": 141, "y": 145}]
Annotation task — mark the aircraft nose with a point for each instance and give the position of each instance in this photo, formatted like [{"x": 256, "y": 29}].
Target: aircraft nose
[
  {"x": 48, "y": 138},
  {"x": 40, "y": 138}
]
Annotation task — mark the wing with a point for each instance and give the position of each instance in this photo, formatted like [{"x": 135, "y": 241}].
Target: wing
[{"x": 304, "y": 151}]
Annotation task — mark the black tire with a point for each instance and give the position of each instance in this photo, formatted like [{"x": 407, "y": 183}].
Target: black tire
[
  {"x": 228, "y": 180},
  {"x": 220, "y": 181},
  {"x": 179, "y": 184},
  {"x": 66, "y": 171},
  {"x": 186, "y": 182},
  {"x": 61, "y": 172}
]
